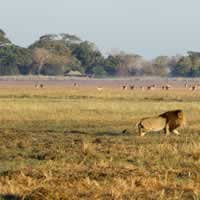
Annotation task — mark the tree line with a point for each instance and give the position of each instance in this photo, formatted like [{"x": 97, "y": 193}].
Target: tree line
[{"x": 59, "y": 54}]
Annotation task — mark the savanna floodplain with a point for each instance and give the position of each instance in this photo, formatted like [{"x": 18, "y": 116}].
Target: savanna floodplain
[{"x": 64, "y": 142}]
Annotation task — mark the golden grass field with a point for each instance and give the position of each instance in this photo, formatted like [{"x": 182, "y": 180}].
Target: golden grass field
[{"x": 67, "y": 143}]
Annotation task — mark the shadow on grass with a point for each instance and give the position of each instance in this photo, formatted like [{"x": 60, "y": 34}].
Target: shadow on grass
[
  {"x": 107, "y": 133},
  {"x": 104, "y": 133},
  {"x": 9, "y": 197},
  {"x": 75, "y": 132}
]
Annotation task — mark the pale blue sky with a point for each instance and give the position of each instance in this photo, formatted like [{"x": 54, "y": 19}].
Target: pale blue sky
[{"x": 146, "y": 27}]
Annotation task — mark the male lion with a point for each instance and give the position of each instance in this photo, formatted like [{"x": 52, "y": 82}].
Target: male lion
[{"x": 168, "y": 121}]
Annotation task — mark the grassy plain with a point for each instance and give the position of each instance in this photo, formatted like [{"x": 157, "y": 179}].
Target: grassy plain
[{"x": 67, "y": 143}]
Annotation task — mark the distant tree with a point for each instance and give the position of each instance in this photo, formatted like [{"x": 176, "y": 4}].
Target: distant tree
[
  {"x": 183, "y": 67},
  {"x": 48, "y": 37},
  {"x": 53, "y": 46},
  {"x": 195, "y": 59},
  {"x": 82, "y": 56},
  {"x": 110, "y": 65},
  {"x": 56, "y": 54},
  {"x": 135, "y": 64},
  {"x": 187, "y": 65},
  {"x": 99, "y": 71},
  {"x": 8, "y": 63},
  {"x": 161, "y": 66},
  {"x": 70, "y": 39},
  {"x": 148, "y": 69},
  {"x": 3, "y": 39},
  {"x": 56, "y": 65},
  {"x": 49, "y": 63},
  {"x": 23, "y": 59},
  {"x": 194, "y": 55},
  {"x": 88, "y": 55},
  {"x": 125, "y": 64},
  {"x": 2, "y": 32},
  {"x": 40, "y": 58},
  {"x": 8, "y": 70}
]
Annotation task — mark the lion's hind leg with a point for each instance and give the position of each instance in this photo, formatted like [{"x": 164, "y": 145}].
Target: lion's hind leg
[
  {"x": 141, "y": 130},
  {"x": 176, "y": 132},
  {"x": 166, "y": 130}
]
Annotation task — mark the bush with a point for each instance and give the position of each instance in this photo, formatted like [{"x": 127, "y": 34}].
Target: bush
[{"x": 99, "y": 71}]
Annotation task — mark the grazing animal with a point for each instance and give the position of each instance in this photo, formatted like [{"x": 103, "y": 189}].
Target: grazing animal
[
  {"x": 132, "y": 87},
  {"x": 168, "y": 121},
  {"x": 41, "y": 85},
  {"x": 75, "y": 84},
  {"x": 163, "y": 87},
  {"x": 151, "y": 87},
  {"x": 194, "y": 87},
  {"x": 166, "y": 87},
  {"x": 142, "y": 87},
  {"x": 36, "y": 86},
  {"x": 124, "y": 87},
  {"x": 99, "y": 88}
]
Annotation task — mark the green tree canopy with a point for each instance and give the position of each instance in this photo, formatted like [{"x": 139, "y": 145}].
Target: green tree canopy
[
  {"x": 88, "y": 55},
  {"x": 161, "y": 66},
  {"x": 182, "y": 67},
  {"x": 52, "y": 56},
  {"x": 3, "y": 39},
  {"x": 57, "y": 54}
]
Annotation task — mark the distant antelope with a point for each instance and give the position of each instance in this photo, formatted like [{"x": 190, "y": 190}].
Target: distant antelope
[
  {"x": 41, "y": 85},
  {"x": 75, "y": 84},
  {"x": 99, "y": 88},
  {"x": 132, "y": 87},
  {"x": 37, "y": 86},
  {"x": 166, "y": 87},
  {"x": 194, "y": 87},
  {"x": 124, "y": 87},
  {"x": 142, "y": 87},
  {"x": 151, "y": 87}
]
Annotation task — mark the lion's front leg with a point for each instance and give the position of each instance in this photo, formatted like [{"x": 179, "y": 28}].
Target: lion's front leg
[{"x": 166, "y": 130}]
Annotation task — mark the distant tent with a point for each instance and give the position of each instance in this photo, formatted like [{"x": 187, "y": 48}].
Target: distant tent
[{"x": 75, "y": 73}]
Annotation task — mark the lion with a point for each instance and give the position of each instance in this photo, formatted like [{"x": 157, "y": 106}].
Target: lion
[{"x": 168, "y": 121}]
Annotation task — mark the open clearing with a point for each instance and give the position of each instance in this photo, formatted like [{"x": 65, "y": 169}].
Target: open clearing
[{"x": 64, "y": 142}]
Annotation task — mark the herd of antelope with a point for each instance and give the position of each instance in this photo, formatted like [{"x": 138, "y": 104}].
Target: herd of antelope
[
  {"x": 163, "y": 87},
  {"x": 154, "y": 87},
  {"x": 39, "y": 85},
  {"x": 193, "y": 87}
]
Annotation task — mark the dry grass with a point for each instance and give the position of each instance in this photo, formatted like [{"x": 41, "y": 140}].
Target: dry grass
[{"x": 66, "y": 143}]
